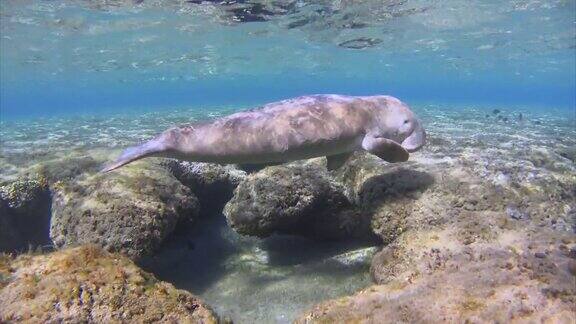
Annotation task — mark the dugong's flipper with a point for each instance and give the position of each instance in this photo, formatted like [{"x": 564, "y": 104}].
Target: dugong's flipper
[{"x": 384, "y": 148}]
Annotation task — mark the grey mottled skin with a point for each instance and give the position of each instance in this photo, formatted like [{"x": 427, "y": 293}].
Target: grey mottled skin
[{"x": 299, "y": 128}]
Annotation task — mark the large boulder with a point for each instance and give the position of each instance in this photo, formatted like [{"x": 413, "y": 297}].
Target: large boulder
[
  {"x": 391, "y": 194},
  {"x": 295, "y": 199},
  {"x": 24, "y": 215},
  {"x": 371, "y": 181},
  {"x": 131, "y": 210},
  {"x": 64, "y": 168},
  {"x": 213, "y": 184},
  {"x": 88, "y": 285}
]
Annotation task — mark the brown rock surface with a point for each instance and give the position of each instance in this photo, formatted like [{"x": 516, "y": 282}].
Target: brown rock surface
[
  {"x": 87, "y": 284},
  {"x": 470, "y": 239},
  {"x": 430, "y": 279},
  {"x": 131, "y": 210},
  {"x": 299, "y": 199}
]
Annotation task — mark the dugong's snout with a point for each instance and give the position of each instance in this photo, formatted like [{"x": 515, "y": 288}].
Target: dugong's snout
[{"x": 416, "y": 139}]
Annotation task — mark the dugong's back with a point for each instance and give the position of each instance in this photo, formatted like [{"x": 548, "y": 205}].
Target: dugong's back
[
  {"x": 287, "y": 130},
  {"x": 300, "y": 128}
]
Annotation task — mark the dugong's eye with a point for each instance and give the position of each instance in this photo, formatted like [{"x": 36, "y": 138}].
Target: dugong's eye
[{"x": 406, "y": 121}]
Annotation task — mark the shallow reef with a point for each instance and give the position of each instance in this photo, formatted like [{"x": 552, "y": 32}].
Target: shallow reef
[
  {"x": 478, "y": 226},
  {"x": 444, "y": 282},
  {"x": 86, "y": 284},
  {"x": 464, "y": 254}
]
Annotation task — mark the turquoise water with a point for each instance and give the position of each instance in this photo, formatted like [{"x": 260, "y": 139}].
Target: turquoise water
[
  {"x": 88, "y": 78},
  {"x": 77, "y": 57}
]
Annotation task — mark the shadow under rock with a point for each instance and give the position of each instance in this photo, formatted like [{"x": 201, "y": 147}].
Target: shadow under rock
[
  {"x": 197, "y": 257},
  {"x": 398, "y": 183},
  {"x": 287, "y": 250},
  {"x": 26, "y": 225}
]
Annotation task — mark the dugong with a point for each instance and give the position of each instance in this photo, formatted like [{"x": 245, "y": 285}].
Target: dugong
[{"x": 300, "y": 128}]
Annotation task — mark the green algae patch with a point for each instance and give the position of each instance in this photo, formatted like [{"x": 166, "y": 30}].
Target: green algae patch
[{"x": 88, "y": 284}]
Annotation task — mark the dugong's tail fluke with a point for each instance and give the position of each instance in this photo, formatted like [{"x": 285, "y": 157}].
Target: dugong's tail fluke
[{"x": 151, "y": 148}]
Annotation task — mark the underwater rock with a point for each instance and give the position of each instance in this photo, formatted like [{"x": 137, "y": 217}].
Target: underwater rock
[
  {"x": 10, "y": 239},
  {"x": 454, "y": 283},
  {"x": 131, "y": 210},
  {"x": 496, "y": 111},
  {"x": 213, "y": 184},
  {"x": 465, "y": 249},
  {"x": 388, "y": 193},
  {"x": 88, "y": 285},
  {"x": 369, "y": 180},
  {"x": 465, "y": 256},
  {"x": 65, "y": 168},
  {"x": 294, "y": 199},
  {"x": 24, "y": 215}
]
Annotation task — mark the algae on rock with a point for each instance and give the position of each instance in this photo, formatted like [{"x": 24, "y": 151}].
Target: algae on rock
[
  {"x": 87, "y": 284},
  {"x": 456, "y": 283},
  {"x": 131, "y": 210},
  {"x": 295, "y": 199},
  {"x": 64, "y": 168},
  {"x": 462, "y": 255}
]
